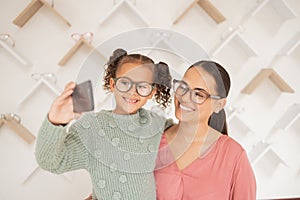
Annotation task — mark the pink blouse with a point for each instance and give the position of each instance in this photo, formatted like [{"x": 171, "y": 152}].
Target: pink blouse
[{"x": 224, "y": 172}]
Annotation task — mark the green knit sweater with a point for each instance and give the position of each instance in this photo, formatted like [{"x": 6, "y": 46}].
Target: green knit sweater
[{"x": 118, "y": 151}]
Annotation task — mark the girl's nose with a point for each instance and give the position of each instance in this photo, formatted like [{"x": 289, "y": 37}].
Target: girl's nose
[{"x": 132, "y": 90}]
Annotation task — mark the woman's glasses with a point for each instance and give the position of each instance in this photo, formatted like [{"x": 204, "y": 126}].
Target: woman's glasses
[
  {"x": 124, "y": 84},
  {"x": 197, "y": 95}
]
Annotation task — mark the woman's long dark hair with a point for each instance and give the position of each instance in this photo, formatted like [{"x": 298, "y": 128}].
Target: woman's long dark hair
[{"x": 217, "y": 120}]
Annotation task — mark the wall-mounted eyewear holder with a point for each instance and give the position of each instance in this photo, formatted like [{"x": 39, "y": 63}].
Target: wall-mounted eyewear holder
[
  {"x": 208, "y": 7},
  {"x": 13, "y": 121},
  {"x": 267, "y": 74},
  {"x": 130, "y": 5},
  {"x": 81, "y": 39},
  {"x": 236, "y": 35},
  {"x": 32, "y": 8},
  {"x": 47, "y": 79},
  {"x": 8, "y": 44}
]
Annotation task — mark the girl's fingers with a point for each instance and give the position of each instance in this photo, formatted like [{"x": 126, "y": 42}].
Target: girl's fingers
[
  {"x": 66, "y": 94},
  {"x": 70, "y": 85},
  {"x": 68, "y": 90},
  {"x": 70, "y": 104}
]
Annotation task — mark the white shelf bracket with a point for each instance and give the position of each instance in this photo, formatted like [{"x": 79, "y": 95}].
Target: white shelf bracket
[
  {"x": 289, "y": 117},
  {"x": 208, "y": 7},
  {"x": 280, "y": 6},
  {"x": 235, "y": 35},
  {"x": 33, "y": 8},
  {"x": 260, "y": 150},
  {"x": 47, "y": 79},
  {"x": 81, "y": 39},
  {"x": 131, "y": 6},
  {"x": 36, "y": 169},
  {"x": 290, "y": 46},
  {"x": 4, "y": 40},
  {"x": 160, "y": 41},
  {"x": 13, "y": 121}
]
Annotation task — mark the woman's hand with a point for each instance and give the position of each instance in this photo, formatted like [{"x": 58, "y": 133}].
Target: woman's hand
[{"x": 61, "y": 111}]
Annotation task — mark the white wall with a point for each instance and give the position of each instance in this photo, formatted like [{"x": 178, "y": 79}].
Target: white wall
[{"x": 45, "y": 39}]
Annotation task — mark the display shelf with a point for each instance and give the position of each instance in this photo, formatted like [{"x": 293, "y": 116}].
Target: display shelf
[
  {"x": 234, "y": 116},
  {"x": 174, "y": 44},
  {"x": 46, "y": 79},
  {"x": 81, "y": 39},
  {"x": 260, "y": 150},
  {"x": 290, "y": 46},
  {"x": 208, "y": 7},
  {"x": 289, "y": 117},
  {"x": 11, "y": 50},
  {"x": 32, "y": 8},
  {"x": 36, "y": 169},
  {"x": 160, "y": 41},
  {"x": 131, "y": 6},
  {"x": 264, "y": 74},
  {"x": 279, "y": 5},
  {"x": 232, "y": 111},
  {"x": 236, "y": 36},
  {"x": 13, "y": 121}
]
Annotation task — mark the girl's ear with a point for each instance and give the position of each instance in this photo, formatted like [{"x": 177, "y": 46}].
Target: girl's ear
[
  {"x": 220, "y": 104},
  {"x": 111, "y": 84}
]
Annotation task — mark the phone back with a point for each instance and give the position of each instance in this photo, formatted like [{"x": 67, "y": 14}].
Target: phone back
[{"x": 83, "y": 100}]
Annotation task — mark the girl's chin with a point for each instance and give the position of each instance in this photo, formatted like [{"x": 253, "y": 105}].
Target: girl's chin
[{"x": 131, "y": 110}]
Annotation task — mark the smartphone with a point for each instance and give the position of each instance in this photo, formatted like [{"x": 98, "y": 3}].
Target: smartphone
[{"x": 83, "y": 99}]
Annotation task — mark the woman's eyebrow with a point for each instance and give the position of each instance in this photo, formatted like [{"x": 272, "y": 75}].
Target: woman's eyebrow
[{"x": 200, "y": 89}]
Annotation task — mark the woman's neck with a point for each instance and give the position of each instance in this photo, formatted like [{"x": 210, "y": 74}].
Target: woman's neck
[{"x": 196, "y": 132}]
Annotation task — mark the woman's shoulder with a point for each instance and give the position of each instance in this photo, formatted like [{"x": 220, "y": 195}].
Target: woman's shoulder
[
  {"x": 170, "y": 132},
  {"x": 229, "y": 144}
]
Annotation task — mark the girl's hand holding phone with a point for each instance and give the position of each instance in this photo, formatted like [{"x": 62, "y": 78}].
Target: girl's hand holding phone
[{"x": 61, "y": 111}]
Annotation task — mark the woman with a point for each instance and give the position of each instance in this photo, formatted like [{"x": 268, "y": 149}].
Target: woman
[{"x": 197, "y": 160}]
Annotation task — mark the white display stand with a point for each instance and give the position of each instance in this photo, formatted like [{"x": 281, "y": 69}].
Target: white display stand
[
  {"x": 12, "y": 51},
  {"x": 42, "y": 80},
  {"x": 280, "y": 6},
  {"x": 32, "y": 8},
  {"x": 238, "y": 37},
  {"x": 13, "y": 121},
  {"x": 131, "y": 6},
  {"x": 260, "y": 150},
  {"x": 289, "y": 117}
]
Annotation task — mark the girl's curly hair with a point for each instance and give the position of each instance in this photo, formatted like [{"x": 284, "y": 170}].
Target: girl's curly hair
[{"x": 161, "y": 76}]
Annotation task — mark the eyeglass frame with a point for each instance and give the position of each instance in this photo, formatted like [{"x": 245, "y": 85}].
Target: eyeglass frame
[
  {"x": 153, "y": 85},
  {"x": 216, "y": 97}
]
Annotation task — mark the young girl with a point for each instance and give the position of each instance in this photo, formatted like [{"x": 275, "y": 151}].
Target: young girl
[
  {"x": 117, "y": 147},
  {"x": 197, "y": 160}
]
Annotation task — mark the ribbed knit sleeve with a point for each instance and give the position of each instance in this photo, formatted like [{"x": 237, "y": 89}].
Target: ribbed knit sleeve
[{"x": 59, "y": 151}]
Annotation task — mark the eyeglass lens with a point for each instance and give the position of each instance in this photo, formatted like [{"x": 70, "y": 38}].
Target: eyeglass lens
[
  {"x": 124, "y": 84},
  {"x": 196, "y": 95}
]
